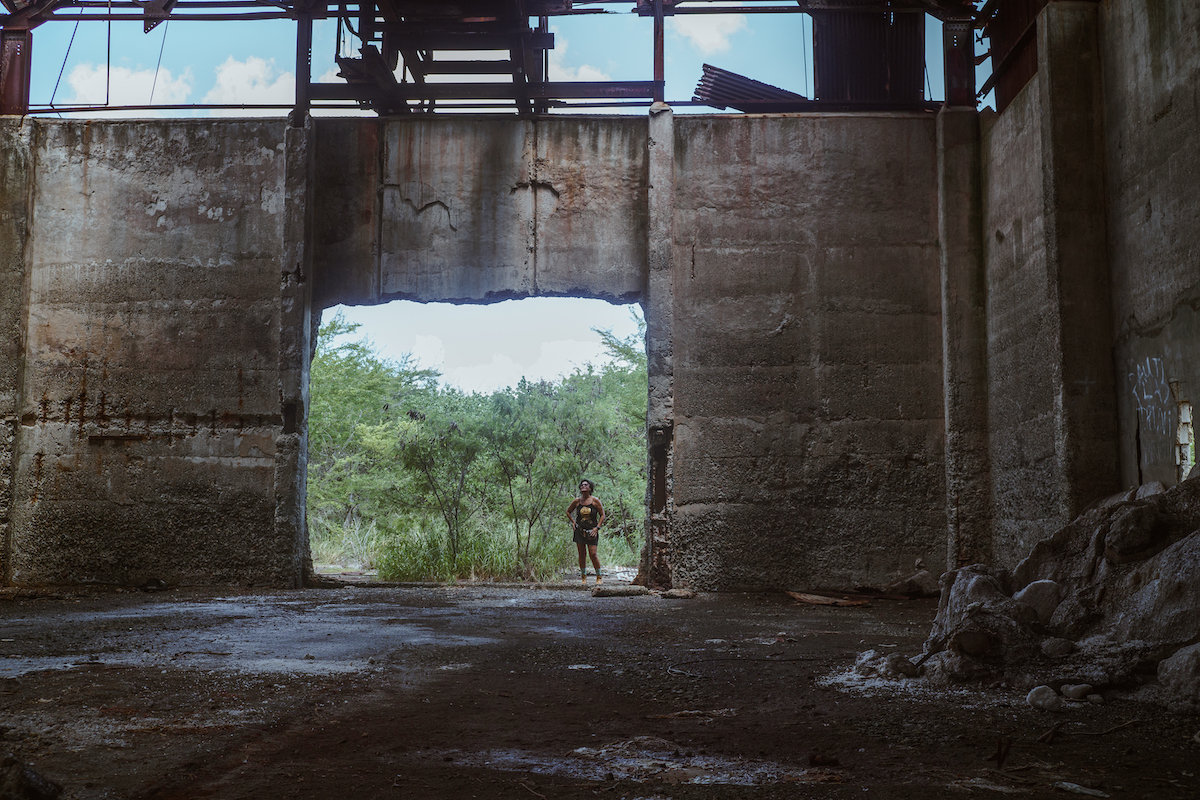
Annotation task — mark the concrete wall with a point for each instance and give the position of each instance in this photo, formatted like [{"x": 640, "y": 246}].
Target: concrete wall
[
  {"x": 1023, "y": 369},
  {"x": 164, "y": 277},
  {"x": 1051, "y": 396},
  {"x": 480, "y": 210},
  {"x": 807, "y": 351},
  {"x": 149, "y": 398},
  {"x": 1151, "y": 56}
]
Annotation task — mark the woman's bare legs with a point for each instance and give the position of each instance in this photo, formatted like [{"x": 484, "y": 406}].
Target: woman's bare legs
[
  {"x": 591, "y": 548},
  {"x": 582, "y": 548}
]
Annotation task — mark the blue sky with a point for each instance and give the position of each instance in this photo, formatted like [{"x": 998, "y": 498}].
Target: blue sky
[{"x": 477, "y": 348}]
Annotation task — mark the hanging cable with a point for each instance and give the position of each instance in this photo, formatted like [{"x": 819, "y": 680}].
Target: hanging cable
[
  {"x": 108, "y": 66},
  {"x": 64, "y": 64},
  {"x": 804, "y": 56},
  {"x": 158, "y": 66}
]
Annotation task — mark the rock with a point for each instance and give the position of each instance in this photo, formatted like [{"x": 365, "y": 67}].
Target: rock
[
  {"x": 1042, "y": 596},
  {"x": 1115, "y": 499},
  {"x": 920, "y": 584},
  {"x": 1179, "y": 676},
  {"x": 1194, "y": 472},
  {"x": 619, "y": 591},
  {"x": 19, "y": 782},
  {"x": 871, "y": 664},
  {"x": 1057, "y": 648},
  {"x": 972, "y": 642},
  {"x": 1076, "y": 691},
  {"x": 864, "y": 664},
  {"x": 1135, "y": 533},
  {"x": 1045, "y": 698},
  {"x": 1095, "y": 699},
  {"x": 679, "y": 594},
  {"x": 1149, "y": 490},
  {"x": 895, "y": 665}
]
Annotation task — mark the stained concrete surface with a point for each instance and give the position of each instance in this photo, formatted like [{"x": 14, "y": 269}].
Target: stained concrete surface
[{"x": 476, "y": 691}]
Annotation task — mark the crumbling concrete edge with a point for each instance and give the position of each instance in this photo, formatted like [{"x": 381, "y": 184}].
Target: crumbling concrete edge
[
  {"x": 655, "y": 567},
  {"x": 295, "y": 566}
]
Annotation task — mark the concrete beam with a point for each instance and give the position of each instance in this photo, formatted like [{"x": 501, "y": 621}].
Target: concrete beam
[
  {"x": 1073, "y": 187},
  {"x": 660, "y": 333},
  {"x": 964, "y": 338}
]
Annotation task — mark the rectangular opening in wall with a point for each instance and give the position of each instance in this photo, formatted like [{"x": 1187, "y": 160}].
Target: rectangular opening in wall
[
  {"x": 446, "y": 441},
  {"x": 1185, "y": 441}
]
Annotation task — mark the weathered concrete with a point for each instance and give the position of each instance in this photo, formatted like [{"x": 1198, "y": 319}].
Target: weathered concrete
[
  {"x": 150, "y": 391},
  {"x": 807, "y": 384},
  {"x": 467, "y": 209},
  {"x": 656, "y": 567},
  {"x": 964, "y": 338},
  {"x": 1151, "y": 63},
  {"x": 15, "y": 185},
  {"x": 1052, "y": 417}
]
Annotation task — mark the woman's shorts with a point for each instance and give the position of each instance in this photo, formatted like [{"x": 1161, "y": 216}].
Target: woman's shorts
[{"x": 588, "y": 537}]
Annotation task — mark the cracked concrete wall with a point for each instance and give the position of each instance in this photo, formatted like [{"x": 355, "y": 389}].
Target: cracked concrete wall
[
  {"x": 469, "y": 210},
  {"x": 1152, "y": 102},
  {"x": 150, "y": 396},
  {"x": 808, "y": 444}
]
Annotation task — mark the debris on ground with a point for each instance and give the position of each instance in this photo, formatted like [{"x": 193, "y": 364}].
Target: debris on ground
[
  {"x": 1109, "y": 602},
  {"x": 822, "y": 600},
  {"x": 619, "y": 590}
]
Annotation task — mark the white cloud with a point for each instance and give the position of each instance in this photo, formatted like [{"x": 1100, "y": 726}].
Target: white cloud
[
  {"x": 127, "y": 87},
  {"x": 554, "y": 360},
  {"x": 709, "y": 33},
  {"x": 559, "y": 71},
  {"x": 254, "y": 81},
  {"x": 429, "y": 352}
]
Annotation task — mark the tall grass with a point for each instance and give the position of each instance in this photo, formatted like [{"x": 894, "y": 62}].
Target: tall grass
[{"x": 423, "y": 553}]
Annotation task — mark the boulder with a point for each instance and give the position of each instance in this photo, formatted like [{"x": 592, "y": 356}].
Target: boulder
[
  {"x": 1135, "y": 533},
  {"x": 1045, "y": 698},
  {"x": 1179, "y": 676},
  {"x": 1149, "y": 490},
  {"x": 1042, "y": 596},
  {"x": 1076, "y": 691},
  {"x": 1054, "y": 647}
]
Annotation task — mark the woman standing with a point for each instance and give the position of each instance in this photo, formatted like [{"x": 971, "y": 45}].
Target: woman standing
[{"x": 588, "y": 517}]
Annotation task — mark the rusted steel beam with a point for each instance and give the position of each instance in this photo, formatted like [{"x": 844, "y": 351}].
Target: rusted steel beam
[
  {"x": 447, "y": 40},
  {"x": 303, "y": 69},
  {"x": 30, "y": 16},
  {"x": 554, "y": 90},
  {"x": 451, "y": 67},
  {"x": 16, "y": 50},
  {"x": 958, "y": 45},
  {"x": 659, "y": 68}
]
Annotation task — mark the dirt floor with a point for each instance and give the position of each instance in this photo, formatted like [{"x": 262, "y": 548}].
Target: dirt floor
[{"x": 472, "y": 691}]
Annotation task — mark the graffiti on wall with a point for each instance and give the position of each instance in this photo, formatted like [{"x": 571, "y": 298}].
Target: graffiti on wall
[{"x": 1155, "y": 408}]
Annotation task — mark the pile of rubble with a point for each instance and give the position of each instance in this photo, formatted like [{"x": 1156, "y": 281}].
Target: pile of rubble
[{"x": 1109, "y": 602}]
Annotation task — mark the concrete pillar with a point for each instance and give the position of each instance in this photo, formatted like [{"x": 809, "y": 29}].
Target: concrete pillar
[
  {"x": 964, "y": 337},
  {"x": 295, "y": 356},
  {"x": 660, "y": 305},
  {"x": 16, "y": 161},
  {"x": 1073, "y": 189}
]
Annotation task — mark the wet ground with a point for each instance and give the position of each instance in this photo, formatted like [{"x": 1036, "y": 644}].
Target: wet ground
[{"x": 471, "y": 691}]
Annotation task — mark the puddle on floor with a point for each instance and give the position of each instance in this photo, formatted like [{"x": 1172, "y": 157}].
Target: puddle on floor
[{"x": 642, "y": 759}]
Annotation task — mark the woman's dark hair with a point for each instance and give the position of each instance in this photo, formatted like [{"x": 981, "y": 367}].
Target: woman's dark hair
[{"x": 591, "y": 486}]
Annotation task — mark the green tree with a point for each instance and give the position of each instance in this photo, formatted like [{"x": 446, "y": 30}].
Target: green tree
[{"x": 530, "y": 466}]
